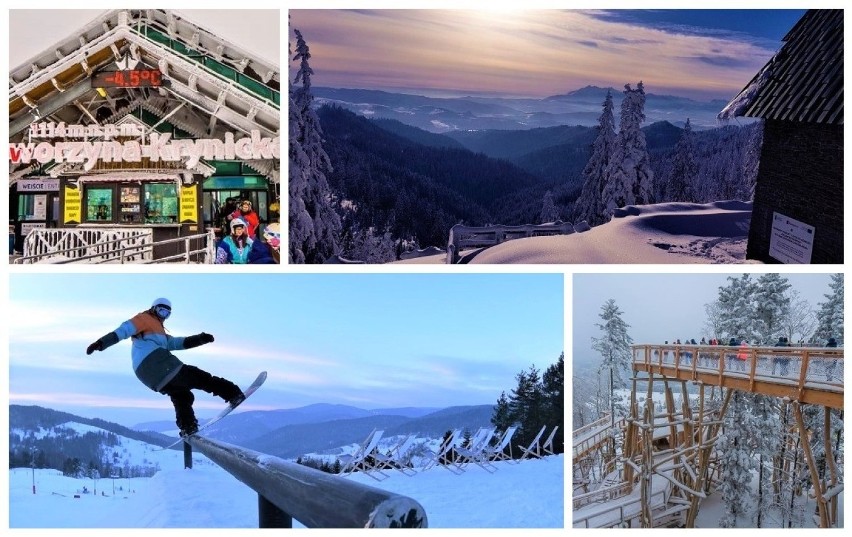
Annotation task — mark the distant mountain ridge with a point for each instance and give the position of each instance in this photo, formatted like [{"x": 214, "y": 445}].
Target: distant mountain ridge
[
  {"x": 577, "y": 107},
  {"x": 311, "y": 429}
]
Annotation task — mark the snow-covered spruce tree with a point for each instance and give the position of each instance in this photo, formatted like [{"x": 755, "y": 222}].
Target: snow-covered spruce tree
[
  {"x": 737, "y": 308},
  {"x": 680, "y": 186},
  {"x": 629, "y": 175},
  {"x": 830, "y": 313},
  {"x": 614, "y": 348},
  {"x": 549, "y": 212},
  {"x": 772, "y": 305},
  {"x": 589, "y": 205},
  {"x": 765, "y": 437},
  {"x": 736, "y": 461},
  {"x": 314, "y": 225}
]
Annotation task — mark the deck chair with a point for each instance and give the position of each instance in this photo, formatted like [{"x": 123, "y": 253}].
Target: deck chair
[
  {"x": 475, "y": 453},
  {"x": 442, "y": 457},
  {"x": 534, "y": 449},
  {"x": 498, "y": 452},
  {"x": 547, "y": 446},
  {"x": 359, "y": 459},
  {"x": 398, "y": 458}
]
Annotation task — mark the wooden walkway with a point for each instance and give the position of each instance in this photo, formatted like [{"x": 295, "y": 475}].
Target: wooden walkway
[{"x": 809, "y": 375}]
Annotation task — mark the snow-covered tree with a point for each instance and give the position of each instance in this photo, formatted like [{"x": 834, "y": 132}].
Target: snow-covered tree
[
  {"x": 589, "y": 206},
  {"x": 369, "y": 245},
  {"x": 549, "y": 212},
  {"x": 765, "y": 437},
  {"x": 737, "y": 309},
  {"x": 614, "y": 347},
  {"x": 680, "y": 186},
  {"x": 772, "y": 305},
  {"x": 629, "y": 175},
  {"x": 830, "y": 312},
  {"x": 736, "y": 461},
  {"x": 713, "y": 324},
  {"x": 800, "y": 320},
  {"x": 314, "y": 225}
]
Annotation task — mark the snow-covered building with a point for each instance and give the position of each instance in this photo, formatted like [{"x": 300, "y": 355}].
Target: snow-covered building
[
  {"x": 141, "y": 119},
  {"x": 798, "y": 199}
]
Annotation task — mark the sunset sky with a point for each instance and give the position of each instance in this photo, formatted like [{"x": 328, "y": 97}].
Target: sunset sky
[
  {"x": 368, "y": 340},
  {"x": 701, "y": 54}
]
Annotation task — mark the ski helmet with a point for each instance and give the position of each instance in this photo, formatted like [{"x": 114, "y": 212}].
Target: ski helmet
[
  {"x": 237, "y": 222},
  {"x": 162, "y": 308}
]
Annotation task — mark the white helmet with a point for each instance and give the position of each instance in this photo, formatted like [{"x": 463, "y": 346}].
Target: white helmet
[{"x": 162, "y": 308}]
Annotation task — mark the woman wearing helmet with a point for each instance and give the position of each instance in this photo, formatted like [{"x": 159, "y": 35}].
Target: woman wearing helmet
[
  {"x": 235, "y": 247},
  {"x": 161, "y": 370}
]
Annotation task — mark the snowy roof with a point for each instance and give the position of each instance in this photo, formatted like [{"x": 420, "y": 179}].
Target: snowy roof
[
  {"x": 803, "y": 82},
  {"x": 226, "y": 88}
]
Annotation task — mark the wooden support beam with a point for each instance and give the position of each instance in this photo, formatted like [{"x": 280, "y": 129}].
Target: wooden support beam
[{"x": 809, "y": 457}]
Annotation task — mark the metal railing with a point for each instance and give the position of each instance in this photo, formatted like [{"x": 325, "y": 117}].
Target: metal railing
[
  {"x": 113, "y": 245},
  {"x": 288, "y": 491}
]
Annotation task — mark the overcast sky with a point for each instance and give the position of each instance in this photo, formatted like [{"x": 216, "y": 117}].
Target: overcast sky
[
  {"x": 661, "y": 307},
  {"x": 32, "y": 31},
  {"x": 368, "y": 340},
  {"x": 527, "y": 52}
]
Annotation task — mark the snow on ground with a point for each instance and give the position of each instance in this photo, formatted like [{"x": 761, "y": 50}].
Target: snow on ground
[
  {"x": 662, "y": 233},
  {"x": 525, "y": 495}
]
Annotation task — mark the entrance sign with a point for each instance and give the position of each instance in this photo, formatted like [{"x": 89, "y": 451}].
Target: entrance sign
[
  {"x": 47, "y": 184},
  {"x": 791, "y": 241}
]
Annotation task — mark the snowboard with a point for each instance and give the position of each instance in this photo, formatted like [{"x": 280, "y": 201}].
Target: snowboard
[{"x": 261, "y": 378}]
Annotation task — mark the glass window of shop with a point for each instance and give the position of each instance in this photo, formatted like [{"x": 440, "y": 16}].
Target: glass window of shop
[
  {"x": 99, "y": 204},
  {"x": 32, "y": 207},
  {"x": 161, "y": 203},
  {"x": 152, "y": 203}
]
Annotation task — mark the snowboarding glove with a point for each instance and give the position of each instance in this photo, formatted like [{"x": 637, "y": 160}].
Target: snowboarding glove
[
  {"x": 196, "y": 340},
  {"x": 104, "y": 342}
]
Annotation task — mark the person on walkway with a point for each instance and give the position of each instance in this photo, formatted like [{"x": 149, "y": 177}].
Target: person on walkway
[
  {"x": 742, "y": 355},
  {"x": 161, "y": 370},
  {"x": 831, "y": 364}
]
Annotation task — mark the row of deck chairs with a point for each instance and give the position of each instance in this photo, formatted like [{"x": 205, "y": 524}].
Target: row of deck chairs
[{"x": 452, "y": 455}]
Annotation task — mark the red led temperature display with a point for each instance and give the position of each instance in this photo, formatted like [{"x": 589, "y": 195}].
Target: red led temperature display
[{"x": 131, "y": 78}]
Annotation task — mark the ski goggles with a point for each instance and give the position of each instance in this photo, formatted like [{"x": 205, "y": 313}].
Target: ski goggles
[{"x": 163, "y": 312}]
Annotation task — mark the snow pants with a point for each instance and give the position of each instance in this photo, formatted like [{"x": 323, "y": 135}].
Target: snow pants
[{"x": 189, "y": 378}]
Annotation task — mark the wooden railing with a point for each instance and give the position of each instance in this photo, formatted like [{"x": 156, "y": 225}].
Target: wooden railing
[
  {"x": 811, "y": 375},
  {"x": 607, "y": 508},
  {"x": 288, "y": 491},
  {"x": 462, "y": 236},
  {"x": 584, "y": 442}
]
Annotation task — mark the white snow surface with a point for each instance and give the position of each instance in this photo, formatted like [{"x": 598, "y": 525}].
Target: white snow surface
[
  {"x": 673, "y": 232},
  {"x": 525, "y": 495}
]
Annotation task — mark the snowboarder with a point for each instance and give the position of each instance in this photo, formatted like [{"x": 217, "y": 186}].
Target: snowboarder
[{"x": 161, "y": 370}]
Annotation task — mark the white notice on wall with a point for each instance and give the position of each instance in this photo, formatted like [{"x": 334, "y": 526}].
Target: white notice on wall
[{"x": 791, "y": 241}]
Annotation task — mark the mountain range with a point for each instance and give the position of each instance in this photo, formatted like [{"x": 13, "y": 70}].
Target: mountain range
[
  {"x": 579, "y": 107},
  {"x": 284, "y": 433}
]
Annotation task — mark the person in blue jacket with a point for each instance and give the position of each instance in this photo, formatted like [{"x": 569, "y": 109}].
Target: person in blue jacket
[
  {"x": 235, "y": 248},
  {"x": 161, "y": 370}
]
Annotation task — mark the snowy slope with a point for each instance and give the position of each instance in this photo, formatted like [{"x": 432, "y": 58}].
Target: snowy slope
[
  {"x": 525, "y": 495},
  {"x": 662, "y": 233}
]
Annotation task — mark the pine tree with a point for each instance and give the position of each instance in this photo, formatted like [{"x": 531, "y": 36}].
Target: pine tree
[
  {"x": 589, "y": 206},
  {"x": 314, "y": 225},
  {"x": 736, "y": 461},
  {"x": 502, "y": 415},
  {"x": 772, "y": 305},
  {"x": 614, "y": 348},
  {"x": 629, "y": 175},
  {"x": 737, "y": 308},
  {"x": 684, "y": 170},
  {"x": 765, "y": 437},
  {"x": 553, "y": 390},
  {"x": 549, "y": 212},
  {"x": 830, "y": 312}
]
